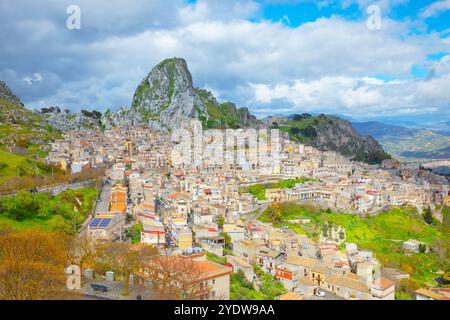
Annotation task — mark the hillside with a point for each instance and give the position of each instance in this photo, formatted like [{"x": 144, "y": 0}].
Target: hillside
[
  {"x": 335, "y": 134},
  {"x": 24, "y": 141},
  {"x": 64, "y": 212},
  {"x": 406, "y": 143},
  {"x": 383, "y": 234},
  {"x": 65, "y": 120}
]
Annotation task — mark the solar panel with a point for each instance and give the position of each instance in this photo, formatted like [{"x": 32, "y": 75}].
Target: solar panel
[
  {"x": 104, "y": 223},
  {"x": 95, "y": 223}
]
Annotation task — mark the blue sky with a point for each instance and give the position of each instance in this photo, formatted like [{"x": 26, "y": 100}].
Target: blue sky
[{"x": 272, "y": 56}]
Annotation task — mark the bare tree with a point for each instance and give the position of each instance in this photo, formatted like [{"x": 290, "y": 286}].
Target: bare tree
[
  {"x": 81, "y": 251},
  {"x": 177, "y": 278},
  {"x": 124, "y": 258}
]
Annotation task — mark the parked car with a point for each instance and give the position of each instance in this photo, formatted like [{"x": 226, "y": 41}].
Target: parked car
[
  {"x": 320, "y": 294},
  {"x": 99, "y": 287}
]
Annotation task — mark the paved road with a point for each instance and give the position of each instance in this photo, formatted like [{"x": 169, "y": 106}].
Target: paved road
[
  {"x": 255, "y": 215},
  {"x": 103, "y": 204},
  {"x": 328, "y": 296},
  {"x": 115, "y": 291},
  {"x": 57, "y": 189}
]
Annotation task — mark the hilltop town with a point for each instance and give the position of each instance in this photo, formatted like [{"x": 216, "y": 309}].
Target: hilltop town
[{"x": 210, "y": 214}]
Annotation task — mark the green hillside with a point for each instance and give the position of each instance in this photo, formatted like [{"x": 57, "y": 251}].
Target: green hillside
[
  {"x": 24, "y": 142},
  {"x": 64, "y": 212},
  {"x": 326, "y": 132},
  {"x": 223, "y": 115},
  {"x": 383, "y": 234}
]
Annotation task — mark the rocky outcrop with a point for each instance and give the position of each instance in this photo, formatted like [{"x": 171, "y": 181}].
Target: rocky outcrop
[
  {"x": 21, "y": 128},
  {"x": 166, "y": 99},
  {"x": 112, "y": 119},
  {"x": 336, "y": 134},
  {"x": 65, "y": 120},
  {"x": 8, "y": 95}
]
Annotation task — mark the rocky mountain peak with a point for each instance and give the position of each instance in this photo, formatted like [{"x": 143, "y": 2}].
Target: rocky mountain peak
[
  {"x": 166, "y": 98},
  {"x": 8, "y": 95}
]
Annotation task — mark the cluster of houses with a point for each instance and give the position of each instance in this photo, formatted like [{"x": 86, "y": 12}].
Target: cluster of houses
[
  {"x": 187, "y": 208},
  {"x": 306, "y": 268}
]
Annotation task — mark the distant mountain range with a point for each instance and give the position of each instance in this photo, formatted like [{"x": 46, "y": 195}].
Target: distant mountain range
[{"x": 409, "y": 144}]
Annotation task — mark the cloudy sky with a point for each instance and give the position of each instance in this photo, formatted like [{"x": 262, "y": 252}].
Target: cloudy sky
[{"x": 273, "y": 56}]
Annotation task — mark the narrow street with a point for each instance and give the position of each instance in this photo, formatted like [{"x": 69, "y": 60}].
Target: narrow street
[{"x": 103, "y": 203}]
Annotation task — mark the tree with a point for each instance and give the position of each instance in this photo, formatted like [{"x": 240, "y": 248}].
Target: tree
[
  {"x": 227, "y": 241},
  {"x": 177, "y": 278},
  {"x": 271, "y": 287},
  {"x": 81, "y": 251},
  {"x": 325, "y": 230},
  {"x": 274, "y": 213},
  {"x": 294, "y": 130},
  {"x": 135, "y": 232},
  {"x": 220, "y": 221},
  {"x": 428, "y": 215},
  {"x": 124, "y": 258},
  {"x": 422, "y": 248},
  {"x": 32, "y": 265},
  {"x": 408, "y": 286},
  {"x": 441, "y": 247}
]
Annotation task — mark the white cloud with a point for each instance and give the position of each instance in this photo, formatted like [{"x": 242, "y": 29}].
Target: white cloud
[
  {"x": 218, "y": 10},
  {"x": 327, "y": 65},
  {"x": 435, "y": 8},
  {"x": 358, "y": 97},
  {"x": 37, "y": 77}
]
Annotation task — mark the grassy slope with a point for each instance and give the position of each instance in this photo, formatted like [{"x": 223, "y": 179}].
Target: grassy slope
[
  {"x": 241, "y": 289},
  {"x": 383, "y": 234},
  {"x": 258, "y": 190},
  {"x": 301, "y": 125},
  {"x": 220, "y": 115},
  {"x": 54, "y": 213},
  {"x": 27, "y": 131}
]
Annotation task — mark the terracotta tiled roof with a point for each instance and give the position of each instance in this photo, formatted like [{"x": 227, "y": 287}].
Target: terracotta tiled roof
[
  {"x": 301, "y": 261},
  {"x": 348, "y": 282},
  {"x": 291, "y": 296}
]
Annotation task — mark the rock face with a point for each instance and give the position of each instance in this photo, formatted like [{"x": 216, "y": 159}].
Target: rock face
[
  {"x": 166, "y": 99},
  {"x": 335, "y": 134},
  {"x": 65, "y": 120},
  {"x": 114, "y": 119},
  {"x": 8, "y": 95},
  {"x": 339, "y": 135}
]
